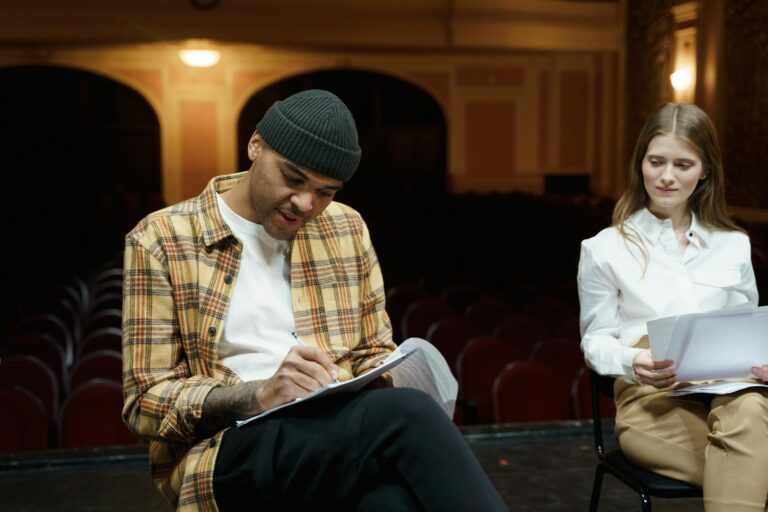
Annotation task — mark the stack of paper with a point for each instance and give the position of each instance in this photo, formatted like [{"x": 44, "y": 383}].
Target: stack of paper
[{"x": 722, "y": 344}]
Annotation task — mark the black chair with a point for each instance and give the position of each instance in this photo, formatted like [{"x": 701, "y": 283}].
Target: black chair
[{"x": 645, "y": 483}]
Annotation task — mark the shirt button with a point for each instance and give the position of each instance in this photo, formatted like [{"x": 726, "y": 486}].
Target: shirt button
[
  {"x": 228, "y": 279},
  {"x": 232, "y": 239},
  {"x": 212, "y": 443},
  {"x": 212, "y": 331}
]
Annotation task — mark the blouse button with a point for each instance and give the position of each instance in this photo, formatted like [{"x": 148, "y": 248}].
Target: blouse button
[
  {"x": 228, "y": 279},
  {"x": 212, "y": 331}
]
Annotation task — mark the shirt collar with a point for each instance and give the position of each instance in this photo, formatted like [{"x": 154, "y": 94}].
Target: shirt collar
[
  {"x": 215, "y": 229},
  {"x": 651, "y": 226}
]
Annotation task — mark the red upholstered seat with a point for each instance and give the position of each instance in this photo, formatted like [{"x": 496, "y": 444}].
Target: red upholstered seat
[
  {"x": 91, "y": 416},
  {"x": 29, "y": 373},
  {"x": 529, "y": 391},
  {"x": 101, "y": 319},
  {"x": 24, "y": 426},
  {"x": 449, "y": 336},
  {"x": 480, "y": 361},
  {"x": 421, "y": 315},
  {"x": 46, "y": 350},
  {"x": 522, "y": 331},
  {"x": 487, "y": 313},
  {"x": 107, "y": 338},
  {"x": 561, "y": 354},
  {"x": 101, "y": 364},
  {"x": 399, "y": 297}
]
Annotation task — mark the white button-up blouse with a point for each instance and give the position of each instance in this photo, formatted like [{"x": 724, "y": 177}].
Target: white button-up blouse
[{"x": 619, "y": 292}]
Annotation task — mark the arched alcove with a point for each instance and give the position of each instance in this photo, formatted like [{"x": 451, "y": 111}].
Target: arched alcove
[
  {"x": 401, "y": 127},
  {"x": 81, "y": 154}
]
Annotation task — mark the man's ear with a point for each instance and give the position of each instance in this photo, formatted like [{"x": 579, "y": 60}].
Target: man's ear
[{"x": 255, "y": 143}]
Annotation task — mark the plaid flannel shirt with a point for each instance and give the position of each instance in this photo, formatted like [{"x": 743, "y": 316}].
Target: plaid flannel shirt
[{"x": 181, "y": 265}]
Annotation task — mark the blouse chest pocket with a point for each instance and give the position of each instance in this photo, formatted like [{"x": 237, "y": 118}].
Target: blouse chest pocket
[{"x": 718, "y": 278}]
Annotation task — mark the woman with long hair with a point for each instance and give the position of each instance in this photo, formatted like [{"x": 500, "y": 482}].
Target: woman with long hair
[{"x": 672, "y": 249}]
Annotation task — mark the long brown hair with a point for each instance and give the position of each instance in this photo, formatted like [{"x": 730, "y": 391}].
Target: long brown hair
[{"x": 691, "y": 124}]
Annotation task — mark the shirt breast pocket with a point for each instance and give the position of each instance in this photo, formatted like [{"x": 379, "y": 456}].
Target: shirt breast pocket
[{"x": 718, "y": 278}]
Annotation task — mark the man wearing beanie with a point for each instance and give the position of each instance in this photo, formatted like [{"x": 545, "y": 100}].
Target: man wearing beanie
[{"x": 255, "y": 293}]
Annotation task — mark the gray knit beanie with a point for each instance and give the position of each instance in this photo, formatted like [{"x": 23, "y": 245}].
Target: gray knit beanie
[{"x": 313, "y": 129}]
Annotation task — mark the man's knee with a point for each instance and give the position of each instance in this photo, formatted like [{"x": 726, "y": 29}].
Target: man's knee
[{"x": 412, "y": 406}]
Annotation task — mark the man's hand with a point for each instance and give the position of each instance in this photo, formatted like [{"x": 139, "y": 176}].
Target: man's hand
[
  {"x": 304, "y": 370},
  {"x": 659, "y": 374},
  {"x": 761, "y": 372}
]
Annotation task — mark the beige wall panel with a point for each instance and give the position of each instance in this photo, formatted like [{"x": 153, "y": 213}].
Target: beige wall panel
[
  {"x": 574, "y": 120},
  {"x": 490, "y": 137},
  {"x": 199, "y": 144}
]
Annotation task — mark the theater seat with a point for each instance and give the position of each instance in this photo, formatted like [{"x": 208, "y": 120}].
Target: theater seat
[
  {"x": 101, "y": 364},
  {"x": 422, "y": 314},
  {"x": 91, "y": 416},
  {"x": 449, "y": 336},
  {"x": 106, "y": 338},
  {"x": 24, "y": 426},
  {"x": 29, "y": 373},
  {"x": 529, "y": 391},
  {"x": 480, "y": 361}
]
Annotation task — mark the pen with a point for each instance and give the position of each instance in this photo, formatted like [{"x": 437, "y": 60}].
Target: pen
[{"x": 296, "y": 337}]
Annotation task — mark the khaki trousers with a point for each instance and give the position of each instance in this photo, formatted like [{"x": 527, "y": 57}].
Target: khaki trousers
[{"x": 720, "y": 444}]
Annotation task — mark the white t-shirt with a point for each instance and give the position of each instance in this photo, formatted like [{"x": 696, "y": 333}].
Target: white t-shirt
[
  {"x": 617, "y": 299},
  {"x": 258, "y": 330}
]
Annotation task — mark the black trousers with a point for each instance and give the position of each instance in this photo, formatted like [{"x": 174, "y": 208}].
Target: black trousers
[{"x": 381, "y": 449}]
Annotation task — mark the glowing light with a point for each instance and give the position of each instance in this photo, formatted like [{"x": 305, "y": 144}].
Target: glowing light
[
  {"x": 197, "y": 58},
  {"x": 681, "y": 79}
]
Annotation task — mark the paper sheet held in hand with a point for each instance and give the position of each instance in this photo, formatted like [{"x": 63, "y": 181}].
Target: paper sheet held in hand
[{"x": 722, "y": 344}]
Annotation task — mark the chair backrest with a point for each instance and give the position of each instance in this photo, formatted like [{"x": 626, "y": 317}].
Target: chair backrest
[
  {"x": 399, "y": 297},
  {"x": 581, "y": 397},
  {"x": 421, "y": 315},
  {"x": 91, "y": 416},
  {"x": 103, "y": 318},
  {"x": 108, "y": 300},
  {"x": 29, "y": 373},
  {"x": 529, "y": 391},
  {"x": 449, "y": 335},
  {"x": 561, "y": 354},
  {"x": 101, "y": 364},
  {"x": 522, "y": 331},
  {"x": 45, "y": 349},
  {"x": 478, "y": 364},
  {"x": 50, "y": 324},
  {"x": 459, "y": 296},
  {"x": 552, "y": 310},
  {"x": 106, "y": 338},
  {"x": 25, "y": 425},
  {"x": 487, "y": 313}
]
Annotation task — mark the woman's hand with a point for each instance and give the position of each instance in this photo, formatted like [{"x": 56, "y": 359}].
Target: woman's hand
[
  {"x": 659, "y": 374},
  {"x": 761, "y": 372}
]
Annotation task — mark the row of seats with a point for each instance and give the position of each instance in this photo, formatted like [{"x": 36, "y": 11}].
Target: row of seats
[
  {"x": 89, "y": 417},
  {"x": 61, "y": 364}
]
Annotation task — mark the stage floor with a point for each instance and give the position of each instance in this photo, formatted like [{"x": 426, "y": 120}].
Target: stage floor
[{"x": 536, "y": 467}]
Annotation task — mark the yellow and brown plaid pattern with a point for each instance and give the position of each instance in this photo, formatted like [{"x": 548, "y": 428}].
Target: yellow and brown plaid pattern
[{"x": 176, "y": 295}]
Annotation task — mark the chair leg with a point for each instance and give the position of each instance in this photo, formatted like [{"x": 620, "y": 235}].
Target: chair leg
[
  {"x": 596, "y": 487},
  {"x": 645, "y": 501}
]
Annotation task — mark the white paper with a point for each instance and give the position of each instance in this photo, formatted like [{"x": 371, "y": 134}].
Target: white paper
[
  {"x": 722, "y": 344},
  {"x": 716, "y": 388},
  {"x": 354, "y": 384},
  {"x": 416, "y": 364}
]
